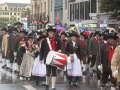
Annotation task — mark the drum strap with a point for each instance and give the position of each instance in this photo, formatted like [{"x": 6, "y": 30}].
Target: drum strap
[{"x": 48, "y": 41}]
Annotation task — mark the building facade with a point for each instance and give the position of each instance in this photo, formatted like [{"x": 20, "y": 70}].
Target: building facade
[
  {"x": 10, "y": 11},
  {"x": 38, "y": 8},
  {"x": 59, "y": 8}
]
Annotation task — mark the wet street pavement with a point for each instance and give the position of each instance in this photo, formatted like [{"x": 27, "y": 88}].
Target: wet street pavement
[{"x": 10, "y": 81}]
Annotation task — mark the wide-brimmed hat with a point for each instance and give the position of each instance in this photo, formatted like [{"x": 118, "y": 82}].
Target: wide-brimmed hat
[
  {"x": 4, "y": 29},
  {"x": 97, "y": 32},
  {"x": 24, "y": 31},
  {"x": 41, "y": 36},
  {"x": 73, "y": 33},
  {"x": 51, "y": 28},
  {"x": 64, "y": 33},
  {"x": 111, "y": 35},
  {"x": 82, "y": 33},
  {"x": 31, "y": 35},
  {"x": 14, "y": 29}
]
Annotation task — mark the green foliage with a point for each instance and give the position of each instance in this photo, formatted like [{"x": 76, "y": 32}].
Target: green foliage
[{"x": 111, "y": 7}]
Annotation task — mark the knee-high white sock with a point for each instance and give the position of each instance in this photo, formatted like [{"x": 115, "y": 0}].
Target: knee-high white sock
[
  {"x": 8, "y": 63},
  {"x": 3, "y": 61},
  {"x": 113, "y": 88},
  {"x": 11, "y": 66},
  {"x": 53, "y": 82},
  {"x": 47, "y": 80},
  {"x": 18, "y": 67},
  {"x": 84, "y": 67}
]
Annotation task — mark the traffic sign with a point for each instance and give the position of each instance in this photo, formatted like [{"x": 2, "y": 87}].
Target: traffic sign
[{"x": 93, "y": 14}]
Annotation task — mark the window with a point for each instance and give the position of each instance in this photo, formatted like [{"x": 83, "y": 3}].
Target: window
[
  {"x": 18, "y": 19},
  {"x": 82, "y": 10},
  {"x": 18, "y": 13},
  {"x": 10, "y": 13},
  {"x": 71, "y": 12},
  {"x": 3, "y": 13},
  {"x": 51, "y": 5},
  {"x": 45, "y": 6},
  {"x": 77, "y": 11},
  {"x": 18, "y": 9},
  {"x": 7, "y": 13},
  {"x": 11, "y": 8},
  {"x": 87, "y": 10},
  {"x": 5, "y": 8},
  {"x": 14, "y": 13},
  {"x": 14, "y": 8},
  {"x": 93, "y": 6},
  {"x": 65, "y": 4}
]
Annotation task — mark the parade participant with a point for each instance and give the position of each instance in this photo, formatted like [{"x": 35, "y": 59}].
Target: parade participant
[
  {"x": 107, "y": 51},
  {"x": 17, "y": 52},
  {"x": 56, "y": 46},
  {"x": 11, "y": 41},
  {"x": 5, "y": 47},
  {"x": 83, "y": 47},
  {"x": 63, "y": 36},
  {"x": 28, "y": 57},
  {"x": 4, "y": 34},
  {"x": 118, "y": 40},
  {"x": 39, "y": 70},
  {"x": 94, "y": 54},
  {"x": 74, "y": 71}
]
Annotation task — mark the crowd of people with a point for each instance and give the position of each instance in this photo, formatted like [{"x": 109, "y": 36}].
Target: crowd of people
[{"x": 28, "y": 52}]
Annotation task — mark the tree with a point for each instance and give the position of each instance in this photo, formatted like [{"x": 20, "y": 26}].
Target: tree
[{"x": 111, "y": 7}]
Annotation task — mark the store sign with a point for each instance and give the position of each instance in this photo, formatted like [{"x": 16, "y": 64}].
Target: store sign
[{"x": 92, "y": 14}]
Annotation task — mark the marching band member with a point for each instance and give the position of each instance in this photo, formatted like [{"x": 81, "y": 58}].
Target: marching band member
[
  {"x": 83, "y": 47},
  {"x": 4, "y": 32},
  {"x": 107, "y": 51},
  {"x": 74, "y": 71},
  {"x": 17, "y": 52},
  {"x": 56, "y": 46},
  {"x": 11, "y": 41}
]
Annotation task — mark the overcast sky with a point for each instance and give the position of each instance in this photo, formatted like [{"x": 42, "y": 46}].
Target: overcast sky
[{"x": 15, "y": 1}]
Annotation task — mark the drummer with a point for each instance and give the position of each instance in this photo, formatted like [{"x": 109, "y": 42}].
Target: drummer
[{"x": 45, "y": 48}]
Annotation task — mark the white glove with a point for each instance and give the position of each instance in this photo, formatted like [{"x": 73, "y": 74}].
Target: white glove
[
  {"x": 15, "y": 53},
  {"x": 115, "y": 74}
]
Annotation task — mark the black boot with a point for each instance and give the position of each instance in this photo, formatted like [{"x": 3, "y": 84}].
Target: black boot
[
  {"x": 3, "y": 66},
  {"x": 46, "y": 87},
  {"x": 37, "y": 82}
]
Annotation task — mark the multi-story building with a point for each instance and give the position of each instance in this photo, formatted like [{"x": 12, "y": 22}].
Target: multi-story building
[
  {"x": 8, "y": 11},
  {"x": 38, "y": 8}
]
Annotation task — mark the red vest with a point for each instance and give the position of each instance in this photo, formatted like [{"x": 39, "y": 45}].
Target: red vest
[
  {"x": 110, "y": 53},
  {"x": 53, "y": 43}
]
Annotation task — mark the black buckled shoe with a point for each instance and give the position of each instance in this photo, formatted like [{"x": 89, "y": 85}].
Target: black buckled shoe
[
  {"x": 46, "y": 87},
  {"x": 53, "y": 89}
]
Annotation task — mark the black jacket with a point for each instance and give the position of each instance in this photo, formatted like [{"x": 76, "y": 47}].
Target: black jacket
[
  {"x": 70, "y": 50},
  {"x": 44, "y": 49}
]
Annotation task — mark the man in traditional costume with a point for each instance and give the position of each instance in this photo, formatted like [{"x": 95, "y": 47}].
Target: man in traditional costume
[
  {"x": 83, "y": 47},
  {"x": 4, "y": 32},
  {"x": 17, "y": 52},
  {"x": 74, "y": 71},
  {"x": 107, "y": 51},
  {"x": 56, "y": 46},
  {"x": 11, "y": 41},
  {"x": 5, "y": 46},
  {"x": 94, "y": 54}
]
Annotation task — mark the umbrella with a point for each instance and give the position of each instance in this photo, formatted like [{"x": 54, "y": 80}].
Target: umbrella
[
  {"x": 60, "y": 29},
  {"x": 57, "y": 26}
]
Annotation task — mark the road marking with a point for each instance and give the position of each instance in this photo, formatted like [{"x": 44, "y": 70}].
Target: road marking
[{"x": 29, "y": 87}]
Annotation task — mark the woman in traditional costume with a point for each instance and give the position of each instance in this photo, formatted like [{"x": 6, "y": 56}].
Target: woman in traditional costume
[{"x": 74, "y": 71}]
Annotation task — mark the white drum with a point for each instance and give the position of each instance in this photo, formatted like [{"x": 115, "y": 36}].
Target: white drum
[{"x": 56, "y": 59}]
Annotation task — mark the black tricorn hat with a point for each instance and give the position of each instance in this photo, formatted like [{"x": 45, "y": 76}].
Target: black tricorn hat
[
  {"x": 111, "y": 35},
  {"x": 82, "y": 33},
  {"x": 41, "y": 36}
]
